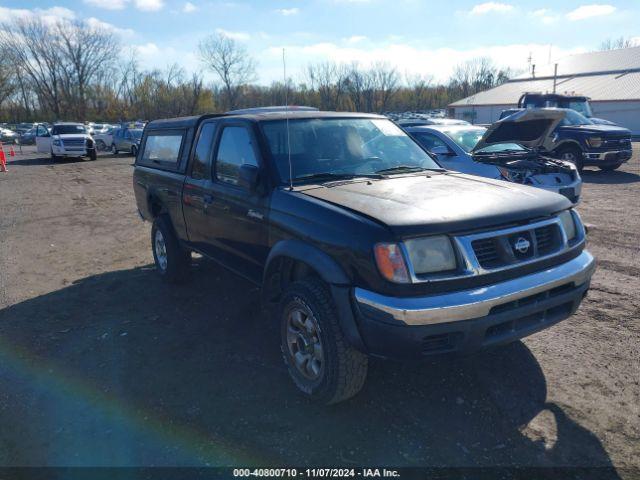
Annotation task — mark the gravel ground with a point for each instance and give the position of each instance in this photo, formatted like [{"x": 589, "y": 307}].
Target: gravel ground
[{"x": 101, "y": 364}]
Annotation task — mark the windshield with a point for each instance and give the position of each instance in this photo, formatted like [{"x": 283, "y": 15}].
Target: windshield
[
  {"x": 580, "y": 106},
  {"x": 66, "y": 129},
  {"x": 346, "y": 146},
  {"x": 502, "y": 147},
  {"x": 574, "y": 118},
  {"x": 466, "y": 139}
]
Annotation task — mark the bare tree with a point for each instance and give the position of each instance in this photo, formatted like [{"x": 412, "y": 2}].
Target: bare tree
[
  {"x": 7, "y": 77},
  {"x": 329, "y": 79},
  {"x": 86, "y": 52},
  {"x": 476, "y": 75},
  {"x": 33, "y": 49},
  {"x": 621, "y": 42},
  {"x": 231, "y": 62},
  {"x": 384, "y": 80}
]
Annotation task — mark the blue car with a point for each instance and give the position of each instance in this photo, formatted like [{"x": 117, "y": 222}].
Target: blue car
[{"x": 512, "y": 149}]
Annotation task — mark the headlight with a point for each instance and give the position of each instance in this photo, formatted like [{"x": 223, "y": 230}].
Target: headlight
[
  {"x": 594, "y": 142},
  {"x": 57, "y": 143},
  {"x": 431, "y": 254},
  {"x": 391, "y": 262},
  {"x": 568, "y": 224}
]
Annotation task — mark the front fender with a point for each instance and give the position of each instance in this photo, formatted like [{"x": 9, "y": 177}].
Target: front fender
[{"x": 327, "y": 267}]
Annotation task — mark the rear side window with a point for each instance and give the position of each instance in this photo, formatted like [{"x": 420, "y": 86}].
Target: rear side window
[
  {"x": 202, "y": 156},
  {"x": 235, "y": 149},
  {"x": 162, "y": 148}
]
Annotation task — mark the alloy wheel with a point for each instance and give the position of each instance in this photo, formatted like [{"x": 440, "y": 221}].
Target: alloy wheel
[
  {"x": 304, "y": 343},
  {"x": 161, "y": 250}
]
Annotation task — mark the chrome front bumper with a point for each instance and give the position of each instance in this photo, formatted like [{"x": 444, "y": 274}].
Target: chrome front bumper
[{"x": 478, "y": 302}]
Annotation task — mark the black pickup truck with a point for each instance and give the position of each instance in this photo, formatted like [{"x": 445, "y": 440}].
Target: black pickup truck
[{"x": 362, "y": 244}]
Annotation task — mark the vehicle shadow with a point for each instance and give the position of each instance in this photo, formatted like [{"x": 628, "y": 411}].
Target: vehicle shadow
[
  {"x": 33, "y": 162},
  {"x": 122, "y": 369},
  {"x": 606, "y": 178}
]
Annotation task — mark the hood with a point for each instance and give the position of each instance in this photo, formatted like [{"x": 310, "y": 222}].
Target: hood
[
  {"x": 598, "y": 128},
  {"x": 72, "y": 136},
  {"x": 601, "y": 121},
  {"x": 440, "y": 203},
  {"x": 530, "y": 128}
]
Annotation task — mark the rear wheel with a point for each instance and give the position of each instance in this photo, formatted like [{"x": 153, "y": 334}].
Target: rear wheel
[
  {"x": 320, "y": 361},
  {"x": 573, "y": 155},
  {"x": 114, "y": 150},
  {"x": 610, "y": 168},
  {"x": 172, "y": 261},
  {"x": 100, "y": 145}
]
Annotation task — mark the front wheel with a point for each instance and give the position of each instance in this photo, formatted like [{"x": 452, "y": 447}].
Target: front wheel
[
  {"x": 54, "y": 158},
  {"x": 172, "y": 261},
  {"x": 572, "y": 155},
  {"x": 93, "y": 155},
  {"x": 320, "y": 361},
  {"x": 610, "y": 168}
]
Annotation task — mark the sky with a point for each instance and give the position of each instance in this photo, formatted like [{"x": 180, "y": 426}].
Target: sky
[{"x": 418, "y": 37}]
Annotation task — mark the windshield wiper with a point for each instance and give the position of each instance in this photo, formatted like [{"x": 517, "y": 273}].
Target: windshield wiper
[
  {"x": 331, "y": 176},
  {"x": 406, "y": 169}
]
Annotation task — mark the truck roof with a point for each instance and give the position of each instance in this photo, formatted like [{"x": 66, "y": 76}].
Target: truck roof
[{"x": 187, "y": 122}]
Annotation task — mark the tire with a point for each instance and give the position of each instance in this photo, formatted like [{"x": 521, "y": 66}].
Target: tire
[
  {"x": 172, "y": 261},
  {"x": 333, "y": 371},
  {"x": 114, "y": 150},
  {"x": 134, "y": 150},
  {"x": 573, "y": 155},
  {"x": 93, "y": 156},
  {"x": 54, "y": 158},
  {"x": 101, "y": 146},
  {"x": 610, "y": 168}
]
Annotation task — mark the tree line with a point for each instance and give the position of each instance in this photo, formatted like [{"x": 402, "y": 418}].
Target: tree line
[{"x": 74, "y": 70}]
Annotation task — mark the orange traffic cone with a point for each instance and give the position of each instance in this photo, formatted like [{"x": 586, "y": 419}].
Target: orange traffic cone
[{"x": 3, "y": 161}]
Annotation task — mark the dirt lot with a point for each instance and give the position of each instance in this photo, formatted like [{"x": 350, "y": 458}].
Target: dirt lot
[{"x": 101, "y": 364}]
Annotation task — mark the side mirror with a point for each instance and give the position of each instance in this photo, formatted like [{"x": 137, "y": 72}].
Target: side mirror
[
  {"x": 441, "y": 151},
  {"x": 248, "y": 177}
]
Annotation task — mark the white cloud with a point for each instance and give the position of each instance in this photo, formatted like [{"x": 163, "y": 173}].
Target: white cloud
[
  {"x": 107, "y": 4},
  {"x": 189, "y": 8},
  {"x": 147, "y": 49},
  {"x": 99, "y": 24},
  {"x": 243, "y": 36},
  {"x": 438, "y": 63},
  {"x": 288, "y": 11},
  {"x": 149, "y": 5},
  {"x": 49, "y": 15},
  {"x": 355, "y": 39},
  {"x": 545, "y": 15},
  {"x": 589, "y": 11},
  {"x": 488, "y": 7}
]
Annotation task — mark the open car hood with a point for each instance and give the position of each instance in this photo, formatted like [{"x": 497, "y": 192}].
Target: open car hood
[{"x": 530, "y": 128}]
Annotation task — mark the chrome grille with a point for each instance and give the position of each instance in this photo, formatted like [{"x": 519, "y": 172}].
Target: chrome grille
[
  {"x": 486, "y": 252},
  {"x": 547, "y": 239},
  {"x": 501, "y": 250},
  {"x": 74, "y": 143}
]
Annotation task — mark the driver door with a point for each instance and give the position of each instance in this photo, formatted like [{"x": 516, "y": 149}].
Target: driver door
[{"x": 43, "y": 140}]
